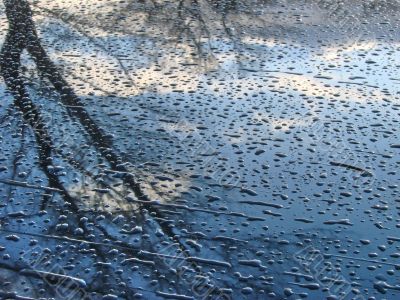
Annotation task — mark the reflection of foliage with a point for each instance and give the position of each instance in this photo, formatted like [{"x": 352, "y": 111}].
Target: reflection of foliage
[
  {"x": 187, "y": 21},
  {"x": 198, "y": 25},
  {"x": 193, "y": 23}
]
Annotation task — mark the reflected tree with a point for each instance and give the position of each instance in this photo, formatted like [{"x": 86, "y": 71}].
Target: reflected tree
[{"x": 22, "y": 36}]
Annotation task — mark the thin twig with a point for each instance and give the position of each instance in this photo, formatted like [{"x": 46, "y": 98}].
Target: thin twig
[{"x": 29, "y": 186}]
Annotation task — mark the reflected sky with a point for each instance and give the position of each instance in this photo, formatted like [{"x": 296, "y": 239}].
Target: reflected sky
[{"x": 257, "y": 128}]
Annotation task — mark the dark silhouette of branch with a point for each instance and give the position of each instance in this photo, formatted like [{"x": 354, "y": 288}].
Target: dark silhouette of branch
[{"x": 22, "y": 35}]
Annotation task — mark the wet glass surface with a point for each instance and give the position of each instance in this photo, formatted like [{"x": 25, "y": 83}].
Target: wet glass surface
[{"x": 225, "y": 149}]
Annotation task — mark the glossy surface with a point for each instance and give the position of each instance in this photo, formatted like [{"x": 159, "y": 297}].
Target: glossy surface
[{"x": 222, "y": 149}]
